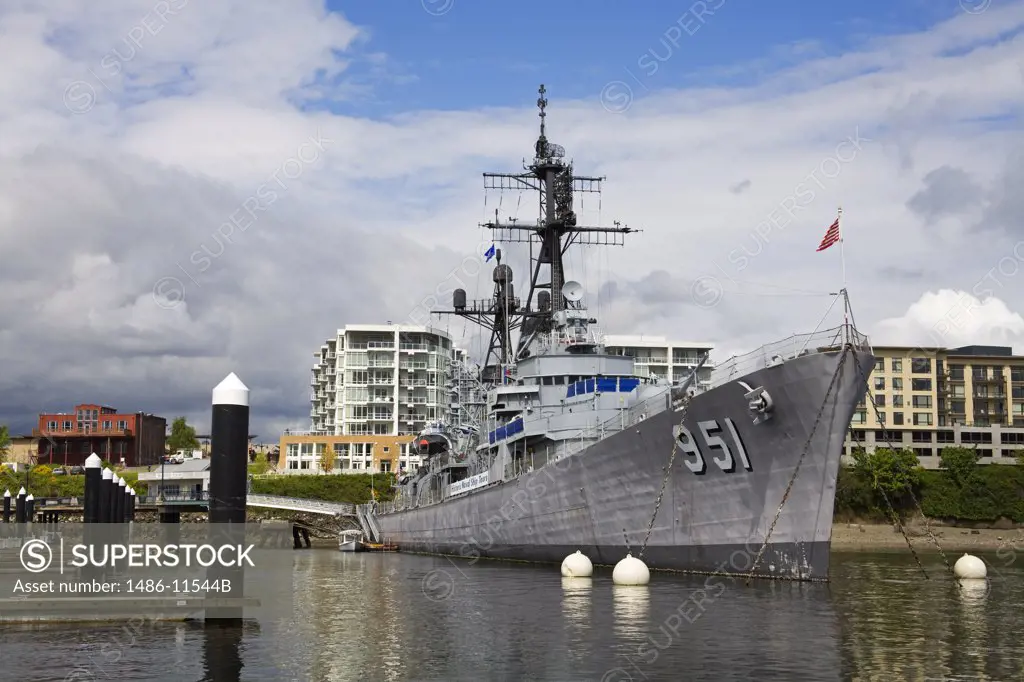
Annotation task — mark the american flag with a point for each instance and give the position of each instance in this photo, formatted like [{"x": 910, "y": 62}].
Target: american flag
[{"x": 831, "y": 236}]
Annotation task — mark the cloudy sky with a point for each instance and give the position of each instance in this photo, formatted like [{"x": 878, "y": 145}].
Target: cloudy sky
[{"x": 189, "y": 189}]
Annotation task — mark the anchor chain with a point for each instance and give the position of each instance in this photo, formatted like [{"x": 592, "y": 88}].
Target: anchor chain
[
  {"x": 896, "y": 519},
  {"x": 913, "y": 497},
  {"x": 799, "y": 463},
  {"x": 668, "y": 472}
]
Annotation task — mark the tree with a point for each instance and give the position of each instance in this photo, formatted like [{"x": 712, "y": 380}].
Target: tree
[
  {"x": 960, "y": 463},
  {"x": 183, "y": 436},
  {"x": 894, "y": 472},
  {"x": 327, "y": 458},
  {"x": 5, "y": 442}
]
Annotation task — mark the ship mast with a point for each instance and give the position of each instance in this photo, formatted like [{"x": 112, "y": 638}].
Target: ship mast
[{"x": 549, "y": 239}]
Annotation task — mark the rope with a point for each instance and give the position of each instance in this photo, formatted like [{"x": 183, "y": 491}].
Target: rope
[{"x": 799, "y": 463}]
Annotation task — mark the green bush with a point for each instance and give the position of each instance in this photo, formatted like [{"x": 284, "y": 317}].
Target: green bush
[
  {"x": 965, "y": 491},
  {"x": 351, "y": 488}
]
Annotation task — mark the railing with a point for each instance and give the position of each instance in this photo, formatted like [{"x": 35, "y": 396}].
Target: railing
[
  {"x": 786, "y": 349},
  {"x": 60, "y": 433},
  {"x": 154, "y": 498},
  {"x": 316, "y": 506}
]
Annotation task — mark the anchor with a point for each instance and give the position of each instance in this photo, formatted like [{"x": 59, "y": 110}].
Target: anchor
[{"x": 759, "y": 402}]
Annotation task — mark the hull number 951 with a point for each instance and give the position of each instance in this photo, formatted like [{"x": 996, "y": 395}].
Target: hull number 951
[{"x": 727, "y": 456}]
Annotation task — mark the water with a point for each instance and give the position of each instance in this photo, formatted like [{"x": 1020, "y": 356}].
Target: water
[{"x": 401, "y": 617}]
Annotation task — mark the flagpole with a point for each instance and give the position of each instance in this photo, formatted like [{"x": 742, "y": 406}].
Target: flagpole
[{"x": 842, "y": 257}]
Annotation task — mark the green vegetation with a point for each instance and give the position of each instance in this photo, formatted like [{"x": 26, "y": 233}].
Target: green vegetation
[
  {"x": 42, "y": 482},
  {"x": 353, "y": 488},
  {"x": 962, "y": 490},
  {"x": 5, "y": 442},
  {"x": 183, "y": 436}
]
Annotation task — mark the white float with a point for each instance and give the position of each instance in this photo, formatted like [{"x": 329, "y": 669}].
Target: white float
[
  {"x": 577, "y": 566},
  {"x": 631, "y": 571},
  {"x": 970, "y": 567}
]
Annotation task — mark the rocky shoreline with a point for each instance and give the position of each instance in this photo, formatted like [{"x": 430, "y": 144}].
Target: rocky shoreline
[{"x": 869, "y": 537}]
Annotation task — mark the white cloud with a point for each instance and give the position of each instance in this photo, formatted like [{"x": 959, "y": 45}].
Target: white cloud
[
  {"x": 953, "y": 318},
  {"x": 179, "y": 126}
]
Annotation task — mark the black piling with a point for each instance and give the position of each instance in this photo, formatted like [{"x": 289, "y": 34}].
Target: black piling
[
  {"x": 103, "y": 503},
  {"x": 113, "y": 495},
  {"x": 19, "y": 506},
  {"x": 126, "y": 502},
  {"x": 118, "y": 505},
  {"x": 7, "y": 506},
  {"x": 131, "y": 504},
  {"x": 93, "y": 477},
  {"x": 229, "y": 450},
  {"x": 30, "y": 509}
]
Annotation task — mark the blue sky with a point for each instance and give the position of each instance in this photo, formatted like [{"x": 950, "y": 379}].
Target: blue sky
[{"x": 481, "y": 54}]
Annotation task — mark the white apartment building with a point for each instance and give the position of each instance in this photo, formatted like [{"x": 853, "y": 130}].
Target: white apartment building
[
  {"x": 655, "y": 356},
  {"x": 380, "y": 380}
]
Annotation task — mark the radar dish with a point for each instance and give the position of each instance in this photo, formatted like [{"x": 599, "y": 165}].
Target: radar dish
[{"x": 572, "y": 290}]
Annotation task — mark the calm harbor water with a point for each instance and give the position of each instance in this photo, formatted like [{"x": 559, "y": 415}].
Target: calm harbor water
[{"x": 402, "y": 617}]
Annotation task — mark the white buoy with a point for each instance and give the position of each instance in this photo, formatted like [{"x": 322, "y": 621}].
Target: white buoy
[
  {"x": 970, "y": 567},
  {"x": 631, "y": 571},
  {"x": 577, "y": 566}
]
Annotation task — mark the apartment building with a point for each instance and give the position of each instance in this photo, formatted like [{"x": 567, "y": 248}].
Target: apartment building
[
  {"x": 655, "y": 356},
  {"x": 66, "y": 439},
  {"x": 374, "y": 387},
  {"x": 926, "y": 399}
]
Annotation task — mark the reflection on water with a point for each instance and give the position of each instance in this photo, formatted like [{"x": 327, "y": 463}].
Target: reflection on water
[{"x": 398, "y": 617}]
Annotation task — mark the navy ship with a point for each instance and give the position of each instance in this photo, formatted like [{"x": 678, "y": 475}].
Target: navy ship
[{"x": 730, "y": 471}]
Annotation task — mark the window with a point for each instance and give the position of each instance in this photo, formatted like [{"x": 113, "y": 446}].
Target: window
[
  {"x": 879, "y": 383},
  {"x": 921, "y": 365},
  {"x": 107, "y": 424},
  {"x": 897, "y": 384},
  {"x": 1017, "y": 374},
  {"x": 880, "y": 400},
  {"x": 897, "y": 400},
  {"x": 956, "y": 372},
  {"x": 67, "y": 426},
  {"x": 122, "y": 424},
  {"x": 922, "y": 401},
  {"x": 881, "y": 417},
  {"x": 859, "y": 417},
  {"x": 293, "y": 464},
  {"x": 920, "y": 384},
  {"x": 897, "y": 419},
  {"x": 897, "y": 365},
  {"x": 922, "y": 419},
  {"x": 52, "y": 426},
  {"x": 880, "y": 365},
  {"x": 957, "y": 407}
]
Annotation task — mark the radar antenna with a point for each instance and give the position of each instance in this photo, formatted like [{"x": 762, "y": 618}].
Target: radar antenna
[{"x": 549, "y": 239}]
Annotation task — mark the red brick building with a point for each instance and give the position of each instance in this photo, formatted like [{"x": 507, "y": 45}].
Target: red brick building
[{"x": 67, "y": 439}]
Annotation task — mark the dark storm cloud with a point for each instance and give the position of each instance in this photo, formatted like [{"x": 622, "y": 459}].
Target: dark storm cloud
[{"x": 947, "y": 191}]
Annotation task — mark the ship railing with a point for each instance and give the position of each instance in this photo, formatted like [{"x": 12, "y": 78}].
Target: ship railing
[
  {"x": 787, "y": 349},
  {"x": 625, "y": 419}
]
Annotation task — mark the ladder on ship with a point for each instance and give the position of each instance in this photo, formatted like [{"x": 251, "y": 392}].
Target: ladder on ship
[{"x": 367, "y": 521}]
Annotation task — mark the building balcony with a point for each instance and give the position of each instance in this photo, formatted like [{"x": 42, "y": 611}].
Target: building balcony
[{"x": 82, "y": 433}]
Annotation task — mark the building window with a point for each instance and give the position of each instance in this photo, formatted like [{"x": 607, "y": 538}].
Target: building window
[
  {"x": 897, "y": 384},
  {"x": 897, "y": 419},
  {"x": 920, "y": 384},
  {"x": 897, "y": 365},
  {"x": 879, "y": 383},
  {"x": 880, "y": 365},
  {"x": 957, "y": 407},
  {"x": 880, "y": 400},
  {"x": 122, "y": 424},
  {"x": 922, "y": 401},
  {"x": 921, "y": 365},
  {"x": 859, "y": 417},
  {"x": 922, "y": 419},
  {"x": 956, "y": 372},
  {"x": 897, "y": 400}
]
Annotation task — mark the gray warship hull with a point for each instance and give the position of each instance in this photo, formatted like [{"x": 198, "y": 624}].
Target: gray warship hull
[{"x": 717, "y": 508}]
